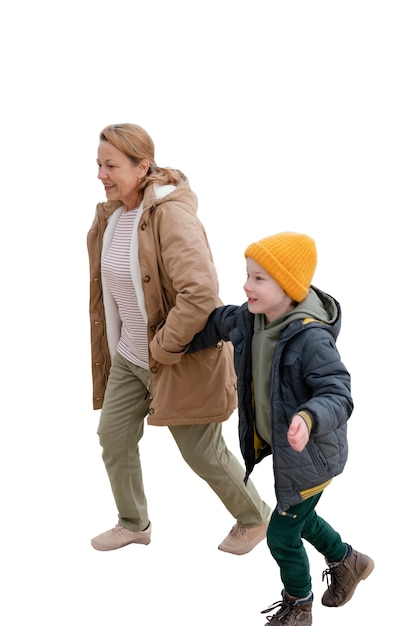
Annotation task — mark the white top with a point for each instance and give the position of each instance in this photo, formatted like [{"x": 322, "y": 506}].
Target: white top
[{"x": 116, "y": 269}]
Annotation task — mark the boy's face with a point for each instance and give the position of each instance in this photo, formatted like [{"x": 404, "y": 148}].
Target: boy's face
[{"x": 264, "y": 294}]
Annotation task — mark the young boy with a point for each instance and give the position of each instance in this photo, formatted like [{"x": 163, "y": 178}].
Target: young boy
[{"x": 294, "y": 403}]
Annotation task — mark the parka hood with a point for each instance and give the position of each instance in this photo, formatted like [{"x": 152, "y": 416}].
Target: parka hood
[{"x": 155, "y": 194}]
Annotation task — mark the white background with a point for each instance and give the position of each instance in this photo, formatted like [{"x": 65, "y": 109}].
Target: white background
[{"x": 293, "y": 115}]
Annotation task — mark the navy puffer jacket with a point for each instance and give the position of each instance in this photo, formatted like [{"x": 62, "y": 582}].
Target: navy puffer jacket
[{"x": 307, "y": 374}]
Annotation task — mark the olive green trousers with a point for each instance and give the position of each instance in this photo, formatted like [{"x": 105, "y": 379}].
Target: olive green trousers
[{"x": 203, "y": 448}]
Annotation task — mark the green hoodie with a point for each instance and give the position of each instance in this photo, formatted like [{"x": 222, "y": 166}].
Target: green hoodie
[{"x": 264, "y": 343}]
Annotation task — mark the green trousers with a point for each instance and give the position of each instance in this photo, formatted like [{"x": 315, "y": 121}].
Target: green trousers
[
  {"x": 285, "y": 540},
  {"x": 203, "y": 448}
]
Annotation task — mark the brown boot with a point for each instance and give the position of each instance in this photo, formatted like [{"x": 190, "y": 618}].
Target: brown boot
[
  {"x": 292, "y": 611},
  {"x": 344, "y": 577}
]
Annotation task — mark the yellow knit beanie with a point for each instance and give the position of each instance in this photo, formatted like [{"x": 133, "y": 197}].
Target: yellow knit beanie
[{"x": 290, "y": 258}]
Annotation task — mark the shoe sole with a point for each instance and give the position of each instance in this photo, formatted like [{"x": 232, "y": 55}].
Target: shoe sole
[
  {"x": 366, "y": 572},
  {"x": 102, "y": 548},
  {"x": 237, "y": 552}
]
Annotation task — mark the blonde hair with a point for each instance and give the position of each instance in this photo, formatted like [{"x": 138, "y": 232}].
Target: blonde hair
[{"x": 136, "y": 144}]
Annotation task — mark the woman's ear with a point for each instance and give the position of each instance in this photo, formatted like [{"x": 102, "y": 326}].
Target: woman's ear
[{"x": 143, "y": 168}]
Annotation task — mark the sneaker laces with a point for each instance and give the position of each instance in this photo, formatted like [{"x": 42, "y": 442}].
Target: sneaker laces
[
  {"x": 118, "y": 529},
  {"x": 238, "y": 531}
]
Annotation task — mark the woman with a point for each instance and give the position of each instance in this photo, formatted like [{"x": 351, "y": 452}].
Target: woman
[{"x": 153, "y": 285}]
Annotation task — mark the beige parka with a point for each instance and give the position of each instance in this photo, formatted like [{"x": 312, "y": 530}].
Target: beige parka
[{"x": 180, "y": 287}]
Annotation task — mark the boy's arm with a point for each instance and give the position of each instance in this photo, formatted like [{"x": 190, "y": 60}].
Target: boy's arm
[
  {"x": 331, "y": 402},
  {"x": 217, "y": 328}
]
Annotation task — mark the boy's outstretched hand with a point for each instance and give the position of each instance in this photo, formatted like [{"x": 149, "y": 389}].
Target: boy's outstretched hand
[{"x": 298, "y": 434}]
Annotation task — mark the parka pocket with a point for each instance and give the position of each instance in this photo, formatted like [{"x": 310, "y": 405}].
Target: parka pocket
[{"x": 319, "y": 459}]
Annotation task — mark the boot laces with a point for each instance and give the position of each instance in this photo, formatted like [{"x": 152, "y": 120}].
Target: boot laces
[
  {"x": 333, "y": 575},
  {"x": 285, "y": 615}
]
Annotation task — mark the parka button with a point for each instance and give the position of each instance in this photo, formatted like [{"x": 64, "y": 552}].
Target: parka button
[
  {"x": 146, "y": 279},
  {"x": 154, "y": 369},
  {"x": 151, "y": 411}
]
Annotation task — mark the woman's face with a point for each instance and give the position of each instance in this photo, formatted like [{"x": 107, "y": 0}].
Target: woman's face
[{"x": 121, "y": 178}]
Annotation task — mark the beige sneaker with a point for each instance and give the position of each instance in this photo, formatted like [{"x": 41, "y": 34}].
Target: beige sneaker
[
  {"x": 119, "y": 536},
  {"x": 242, "y": 540}
]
